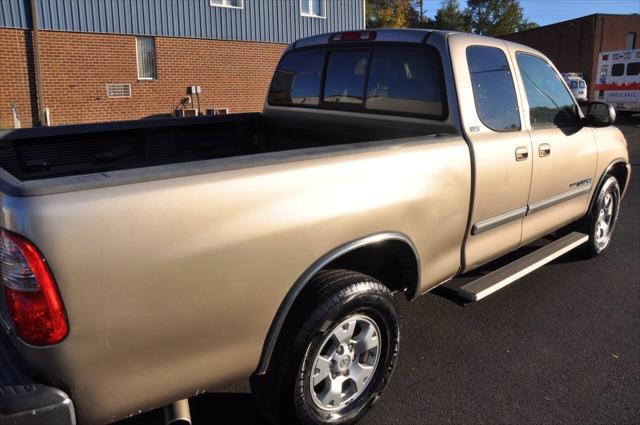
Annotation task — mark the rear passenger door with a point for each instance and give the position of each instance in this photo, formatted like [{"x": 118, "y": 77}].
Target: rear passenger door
[
  {"x": 492, "y": 122},
  {"x": 564, "y": 150}
]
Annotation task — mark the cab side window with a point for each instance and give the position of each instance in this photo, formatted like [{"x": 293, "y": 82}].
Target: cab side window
[
  {"x": 493, "y": 88},
  {"x": 550, "y": 104}
]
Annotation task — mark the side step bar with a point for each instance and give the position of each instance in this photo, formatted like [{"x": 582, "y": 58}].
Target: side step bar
[{"x": 494, "y": 281}]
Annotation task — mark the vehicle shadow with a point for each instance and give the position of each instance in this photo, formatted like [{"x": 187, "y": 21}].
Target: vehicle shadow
[
  {"x": 211, "y": 409},
  {"x": 226, "y": 409}
]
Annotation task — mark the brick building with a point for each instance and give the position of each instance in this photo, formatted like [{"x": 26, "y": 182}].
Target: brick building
[
  {"x": 574, "y": 45},
  {"x": 110, "y": 60}
]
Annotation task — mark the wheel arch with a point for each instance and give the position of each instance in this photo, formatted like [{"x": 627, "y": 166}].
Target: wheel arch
[
  {"x": 618, "y": 168},
  {"x": 378, "y": 255}
]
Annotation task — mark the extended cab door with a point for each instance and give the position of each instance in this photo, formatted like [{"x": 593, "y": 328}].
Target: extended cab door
[
  {"x": 564, "y": 152},
  {"x": 492, "y": 123}
]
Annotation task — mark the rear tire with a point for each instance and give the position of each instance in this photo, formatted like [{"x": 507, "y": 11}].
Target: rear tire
[
  {"x": 336, "y": 353},
  {"x": 603, "y": 217}
]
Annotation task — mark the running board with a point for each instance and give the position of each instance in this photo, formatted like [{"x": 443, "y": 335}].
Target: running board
[{"x": 494, "y": 281}]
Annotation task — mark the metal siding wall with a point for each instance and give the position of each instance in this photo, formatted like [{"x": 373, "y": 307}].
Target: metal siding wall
[
  {"x": 13, "y": 13},
  {"x": 260, "y": 20}
]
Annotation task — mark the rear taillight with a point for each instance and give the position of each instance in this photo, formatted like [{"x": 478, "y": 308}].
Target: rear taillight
[{"x": 32, "y": 297}]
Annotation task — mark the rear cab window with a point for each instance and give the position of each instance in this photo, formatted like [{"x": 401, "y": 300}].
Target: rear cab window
[
  {"x": 345, "y": 77},
  {"x": 297, "y": 80},
  {"x": 382, "y": 79}
]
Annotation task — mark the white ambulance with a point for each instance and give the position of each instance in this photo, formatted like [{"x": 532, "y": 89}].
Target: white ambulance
[
  {"x": 576, "y": 83},
  {"x": 619, "y": 80}
]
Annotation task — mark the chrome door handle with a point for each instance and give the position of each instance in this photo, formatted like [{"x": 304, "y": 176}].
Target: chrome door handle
[
  {"x": 544, "y": 149},
  {"x": 522, "y": 153}
]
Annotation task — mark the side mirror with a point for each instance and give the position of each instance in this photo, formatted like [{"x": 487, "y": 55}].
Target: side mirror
[{"x": 600, "y": 114}]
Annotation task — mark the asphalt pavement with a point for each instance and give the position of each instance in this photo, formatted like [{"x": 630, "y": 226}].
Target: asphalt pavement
[{"x": 559, "y": 346}]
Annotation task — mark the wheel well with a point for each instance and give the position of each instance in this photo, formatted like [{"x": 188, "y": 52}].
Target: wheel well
[
  {"x": 620, "y": 172},
  {"x": 389, "y": 257},
  {"x": 392, "y": 262}
]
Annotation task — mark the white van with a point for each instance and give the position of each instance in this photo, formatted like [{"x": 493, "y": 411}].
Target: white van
[
  {"x": 619, "y": 80},
  {"x": 577, "y": 84}
]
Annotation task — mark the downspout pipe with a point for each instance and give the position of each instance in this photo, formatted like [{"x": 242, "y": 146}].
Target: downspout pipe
[{"x": 36, "y": 62}]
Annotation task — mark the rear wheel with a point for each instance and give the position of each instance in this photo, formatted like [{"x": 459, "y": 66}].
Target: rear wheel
[{"x": 337, "y": 353}]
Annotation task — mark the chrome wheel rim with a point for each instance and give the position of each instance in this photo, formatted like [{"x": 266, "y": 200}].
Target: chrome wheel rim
[
  {"x": 604, "y": 222},
  {"x": 344, "y": 364}
]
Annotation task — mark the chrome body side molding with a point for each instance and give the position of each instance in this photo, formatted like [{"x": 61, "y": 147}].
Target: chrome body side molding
[
  {"x": 555, "y": 200},
  {"x": 509, "y": 216},
  {"x": 499, "y": 220}
]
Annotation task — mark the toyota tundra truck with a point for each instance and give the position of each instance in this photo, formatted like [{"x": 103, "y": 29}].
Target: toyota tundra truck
[{"x": 144, "y": 262}]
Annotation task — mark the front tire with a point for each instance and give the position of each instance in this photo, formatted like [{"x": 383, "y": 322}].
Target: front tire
[
  {"x": 336, "y": 355},
  {"x": 603, "y": 217}
]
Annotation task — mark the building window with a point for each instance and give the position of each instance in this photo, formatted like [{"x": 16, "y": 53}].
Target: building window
[
  {"x": 146, "y": 54},
  {"x": 631, "y": 40},
  {"x": 313, "y": 8},
  {"x": 227, "y": 3}
]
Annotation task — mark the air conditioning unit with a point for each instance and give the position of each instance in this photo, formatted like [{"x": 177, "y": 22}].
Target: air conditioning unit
[
  {"x": 186, "y": 112},
  {"x": 217, "y": 111}
]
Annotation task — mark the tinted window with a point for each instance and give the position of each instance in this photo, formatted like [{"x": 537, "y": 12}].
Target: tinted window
[
  {"x": 582, "y": 84},
  {"x": 493, "y": 88},
  {"x": 574, "y": 85},
  {"x": 633, "y": 68},
  {"x": 298, "y": 78},
  {"x": 346, "y": 73},
  {"x": 406, "y": 80},
  {"x": 549, "y": 101},
  {"x": 617, "y": 69}
]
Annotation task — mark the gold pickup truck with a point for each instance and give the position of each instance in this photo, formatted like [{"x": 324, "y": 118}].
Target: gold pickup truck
[{"x": 144, "y": 262}]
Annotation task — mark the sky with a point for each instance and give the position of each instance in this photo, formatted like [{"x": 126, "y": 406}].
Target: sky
[{"x": 546, "y": 12}]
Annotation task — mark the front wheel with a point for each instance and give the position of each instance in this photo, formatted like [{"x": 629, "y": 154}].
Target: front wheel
[
  {"x": 337, "y": 354},
  {"x": 602, "y": 219}
]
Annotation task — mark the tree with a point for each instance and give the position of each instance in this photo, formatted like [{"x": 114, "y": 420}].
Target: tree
[
  {"x": 451, "y": 17},
  {"x": 391, "y": 14},
  {"x": 497, "y": 17},
  {"x": 422, "y": 19}
]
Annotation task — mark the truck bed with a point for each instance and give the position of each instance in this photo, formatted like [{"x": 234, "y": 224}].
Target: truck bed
[{"x": 57, "y": 159}]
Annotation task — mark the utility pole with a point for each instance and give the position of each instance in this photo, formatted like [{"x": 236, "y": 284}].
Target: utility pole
[{"x": 36, "y": 62}]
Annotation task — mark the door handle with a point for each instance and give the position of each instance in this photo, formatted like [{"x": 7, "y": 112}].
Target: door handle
[
  {"x": 522, "y": 153},
  {"x": 544, "y": 149}
]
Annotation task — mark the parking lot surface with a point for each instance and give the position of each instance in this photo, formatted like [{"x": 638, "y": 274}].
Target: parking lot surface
[{"x": 559, "y": 346}]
